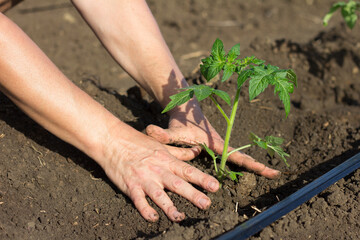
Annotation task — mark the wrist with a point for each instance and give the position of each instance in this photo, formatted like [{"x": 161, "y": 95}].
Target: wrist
[{"x": 98, "y": 146}]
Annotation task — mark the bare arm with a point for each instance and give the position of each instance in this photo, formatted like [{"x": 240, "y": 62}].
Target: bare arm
[
  {"x": 37, "y": 86},
  {"x": 130, "y": 33},
  {"x": 136, "y": 163}
]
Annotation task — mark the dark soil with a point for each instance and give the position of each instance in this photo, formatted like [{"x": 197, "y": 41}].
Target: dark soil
[{"x": 50, "y": 190}]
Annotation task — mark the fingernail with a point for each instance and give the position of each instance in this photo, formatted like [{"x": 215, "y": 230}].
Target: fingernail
[
  {"x": 204, "y": 203},
  {"x": 212, "y": 185},
  {"x": 178, "y": 216},
  {"x": 153, "y": 216},
  {"x": 277, "y": 174}
]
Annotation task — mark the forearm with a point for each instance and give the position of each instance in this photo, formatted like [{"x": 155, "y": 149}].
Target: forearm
[
  {"x": 34, "y": 83},
  {"x": 130, "y": 33}
]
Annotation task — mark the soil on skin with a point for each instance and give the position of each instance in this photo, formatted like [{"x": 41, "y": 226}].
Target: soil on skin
[{"x": 50, "y": 190}]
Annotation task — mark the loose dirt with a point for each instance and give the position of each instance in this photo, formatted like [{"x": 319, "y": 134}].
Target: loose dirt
[{"x": 50, "y": 190}]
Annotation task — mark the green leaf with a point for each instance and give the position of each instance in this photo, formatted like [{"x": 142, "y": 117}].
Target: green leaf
[
  {"x": 348, "y": 13},
  {"x": 291, "y": 76},
  {"x": 212, "y": 155},
  {"x": 233, "y": 53},
  {"x": 210, "y": 67},
  {"x": 201, "y": 91},
  {"x": 274, "y": 140},
  {"x": 178, "y": 99},
  {"x": 247, "y": 61},
  {"x": 333, "y": 8},
  {"x": 258, "y": 141},
  {"x": 209, "y": 151},
  {"x": 272, "y": 145},
  {"x": 233, "y": 175},
  {"x": 243, "y": 76},
  {"x": 259, "y": 80},
  {"x": 284, "y": 86},
  {"x": 284, "y": 81},
  {"x": 218, "y": 51},
  {"x": 223, "y": 95},
  {"x": 229, "y": 69}
]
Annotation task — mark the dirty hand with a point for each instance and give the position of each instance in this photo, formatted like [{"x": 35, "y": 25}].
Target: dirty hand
[
  {"x": 188, "y": 126},
  {"x": 141, "y": 166}
]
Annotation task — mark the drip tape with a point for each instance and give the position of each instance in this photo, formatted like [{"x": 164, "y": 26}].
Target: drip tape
[{"x": 257, "y": 223}]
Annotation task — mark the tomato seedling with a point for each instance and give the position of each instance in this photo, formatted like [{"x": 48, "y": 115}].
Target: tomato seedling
[
  {"x": 260, "y": 75},
  {"x": 348, "y": 11}
]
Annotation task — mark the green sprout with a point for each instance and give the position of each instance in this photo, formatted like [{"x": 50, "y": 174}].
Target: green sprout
[
  {"x": 260, "y": 75},
  {"x": 348, "y": 11}
]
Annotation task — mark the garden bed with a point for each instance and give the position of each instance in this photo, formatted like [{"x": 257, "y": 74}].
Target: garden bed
[{"x": 48, "y": 189}]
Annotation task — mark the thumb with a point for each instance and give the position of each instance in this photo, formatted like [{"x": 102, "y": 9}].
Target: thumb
[
  {"x": 158, "y": 133},
  {"x": 174, "y": 135}
]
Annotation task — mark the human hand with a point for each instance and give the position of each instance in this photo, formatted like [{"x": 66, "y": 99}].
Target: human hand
[
  {"x": 141, "y": 166},
  {"x": 190, "y": 127}
]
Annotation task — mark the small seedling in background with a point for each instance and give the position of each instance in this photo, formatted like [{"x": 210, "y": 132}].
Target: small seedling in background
[
  {"x": 348, "y": 11},
  {"x": 260, "y": 75}
]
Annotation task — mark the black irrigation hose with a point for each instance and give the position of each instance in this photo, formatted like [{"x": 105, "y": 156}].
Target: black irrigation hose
[{"x": 257, "y": 223}]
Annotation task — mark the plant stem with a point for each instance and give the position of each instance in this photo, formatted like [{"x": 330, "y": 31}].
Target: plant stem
[
  {"x": 230, "y": 124},
  {"x": 240, "y": 148},
  {"x": 220, "y": 109}
]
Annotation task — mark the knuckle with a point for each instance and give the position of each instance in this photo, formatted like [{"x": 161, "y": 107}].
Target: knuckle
[
  {"x": 160, "y": 153},
  {"x": 177, "y": 183},
  {"x": 158, "y": 193},
  {"x": 188, "y": 171}
]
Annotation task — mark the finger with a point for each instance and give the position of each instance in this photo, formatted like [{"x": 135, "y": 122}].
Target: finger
[
  {"x": 169, "y": 136},
  {"x": 184, "y": 154},
  {"x": 194, "y": 175},
  {"x": 137, "y": 195},
  {"x": 159, "y": 134},
  {"x": 183, "y": 188},
  {"x": 249, "y": 163},
  {"x": 246, "y": 161},
  {"x": 160, "y": 198}
]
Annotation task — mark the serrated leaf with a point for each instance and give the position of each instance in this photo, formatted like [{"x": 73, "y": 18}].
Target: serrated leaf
[
  {"x": 233, "y": 53},
  {"x": 210, "y": 68},
  {"x": 283, "y": 87},
  {"x": 275, "y": 141},
  {"x": 201, "y": 91},
  {"x": 283, "y": 80},
  {"x": 259, "y": 81},
  {"x": 291, "y": 76},
  {"x": 223, "y": 95},
  {"x": 229, "y": 69},
  {"x": 247, "y": 61},
  {"x": 218, "y": 51},
  {"x": 271, "y": 144},
  {"x": 232, "y": 175},
  {"x": 333, "y": 8},
  {"x": 178, "y": 99},
  {"x": 348, "y": 13},
  {"x": 243, "y": 76},
  {"x": 261, "y": 144},
  {"x": 280, "y": 152}
]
